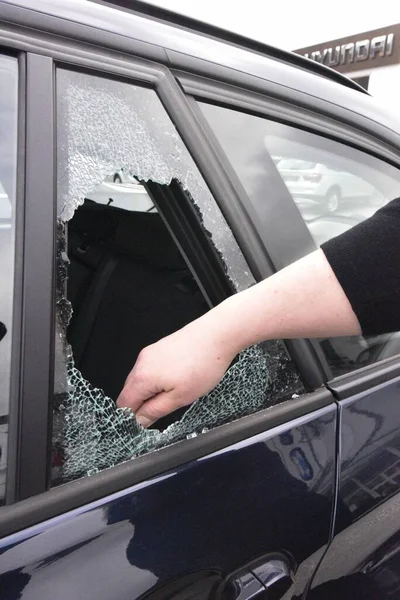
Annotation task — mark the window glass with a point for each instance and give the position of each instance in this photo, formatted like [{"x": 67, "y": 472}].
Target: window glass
[
  {"x": 333, "y": 186},
  {"x": 8, "y": 172},
  {"x": 122, "y": 283}
]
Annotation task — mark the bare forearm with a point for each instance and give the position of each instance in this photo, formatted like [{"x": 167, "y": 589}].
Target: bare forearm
[{"x": 303, "y": 300}]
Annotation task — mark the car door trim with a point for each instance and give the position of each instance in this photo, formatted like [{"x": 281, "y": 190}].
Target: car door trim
[
  {"x": 42, "y": 26},
  {"x": 15, "y": 409},
  {"x": 317, "y": 117},
  {"x": 366, "y": 378},
  {"x": 38, "y": 323}
]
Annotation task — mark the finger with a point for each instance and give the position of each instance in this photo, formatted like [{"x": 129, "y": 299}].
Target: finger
[
  {"x": 134, "y": 393},
  {"x": 159, "y": 406}
]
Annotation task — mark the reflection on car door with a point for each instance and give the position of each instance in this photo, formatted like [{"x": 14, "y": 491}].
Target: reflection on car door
[
  {"x": 261, "y": 502},
  {"x": 367, "y": 551}
]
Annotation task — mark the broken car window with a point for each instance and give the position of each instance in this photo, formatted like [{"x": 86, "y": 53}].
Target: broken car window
[
  {"x": 122, "y": 282},
  {"x": 106, "y": 127}
]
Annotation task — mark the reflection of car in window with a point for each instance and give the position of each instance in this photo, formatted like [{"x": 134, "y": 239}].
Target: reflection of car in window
[
  {"x": 316, "y": 183},
  {"x": 129, "y": 195}
]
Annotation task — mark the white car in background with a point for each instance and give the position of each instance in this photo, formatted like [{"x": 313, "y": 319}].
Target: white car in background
[
  {"x": 315, "y": 183},
  {"x": 128, "y": 194}
]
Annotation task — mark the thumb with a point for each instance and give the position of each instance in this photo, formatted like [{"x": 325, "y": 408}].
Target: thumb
[{"x": 158, "y": 406}]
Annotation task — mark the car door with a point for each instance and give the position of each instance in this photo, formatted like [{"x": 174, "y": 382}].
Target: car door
[
  {"x": 362, "y": 560},
  {"x": 237, "y": 493}
]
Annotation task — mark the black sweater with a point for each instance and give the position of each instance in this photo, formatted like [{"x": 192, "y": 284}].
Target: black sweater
[{"x": 366, "y": 262}]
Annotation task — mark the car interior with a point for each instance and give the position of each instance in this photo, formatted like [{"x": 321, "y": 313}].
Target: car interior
[{"x": 128, "y": 285}]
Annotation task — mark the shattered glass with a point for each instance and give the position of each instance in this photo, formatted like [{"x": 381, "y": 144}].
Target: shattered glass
[
  {"x": 104, "y": 127},
  {"x": 98, "y": 435}
]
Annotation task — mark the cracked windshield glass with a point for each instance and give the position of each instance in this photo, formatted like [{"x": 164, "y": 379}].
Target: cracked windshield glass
[{"x": 122, "y": 282}]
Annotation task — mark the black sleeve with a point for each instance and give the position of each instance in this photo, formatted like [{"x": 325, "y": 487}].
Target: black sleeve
[{"x": 366, "y": 262}]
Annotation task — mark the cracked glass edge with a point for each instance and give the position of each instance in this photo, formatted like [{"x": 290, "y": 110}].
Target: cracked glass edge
[{"x": 107, "y": 125}]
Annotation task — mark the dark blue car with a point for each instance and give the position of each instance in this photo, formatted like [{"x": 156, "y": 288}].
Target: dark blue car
[{"x": 140, "y": 186}]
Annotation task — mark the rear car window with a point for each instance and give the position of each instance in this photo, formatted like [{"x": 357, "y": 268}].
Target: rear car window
[
  {"x": 333, "y": 186},
  {"x": 8, "y": 177}
]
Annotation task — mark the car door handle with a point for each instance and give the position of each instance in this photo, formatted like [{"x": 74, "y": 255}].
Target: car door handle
[
  {"x": 267, "y": 578},
  {"x": 243, "y": 585},
  {"x": 275, "y": 573}
]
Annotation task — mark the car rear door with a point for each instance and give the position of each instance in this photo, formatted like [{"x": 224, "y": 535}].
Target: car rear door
[{"x": 244, "y": 497}]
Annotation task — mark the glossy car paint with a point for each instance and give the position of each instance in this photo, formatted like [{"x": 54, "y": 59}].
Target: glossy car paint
[
  {"x": 208, "y": 518},
  {"x": 364, "y": 557}
]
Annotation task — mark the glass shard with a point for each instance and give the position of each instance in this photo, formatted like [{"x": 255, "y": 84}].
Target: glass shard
[
  {"x": 96, "y": 434},
  {"x": 105, "y": 126}
]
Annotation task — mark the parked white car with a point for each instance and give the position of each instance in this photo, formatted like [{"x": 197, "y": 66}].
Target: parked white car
[
  {"x": 311, "y": 182},
  {"x": 128, "y": 195}
]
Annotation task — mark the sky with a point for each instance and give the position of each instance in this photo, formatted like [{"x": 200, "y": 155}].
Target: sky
[{"x": 290, "y": 24}]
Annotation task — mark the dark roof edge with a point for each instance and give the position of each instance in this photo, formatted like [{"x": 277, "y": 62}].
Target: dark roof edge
[{"x": 196, "y": 26}]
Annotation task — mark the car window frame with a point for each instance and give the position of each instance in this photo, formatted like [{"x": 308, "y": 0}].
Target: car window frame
[
  {"x": 29, "y": 499},
  {"x": 15, "y": 397},
  {"x": 369, "y": 140}
]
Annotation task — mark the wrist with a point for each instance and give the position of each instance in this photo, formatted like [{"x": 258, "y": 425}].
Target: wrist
[{"x": 229, "y": 326}]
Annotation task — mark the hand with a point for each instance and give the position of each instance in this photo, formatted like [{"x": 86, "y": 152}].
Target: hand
[{"x": 176, "y": 370}]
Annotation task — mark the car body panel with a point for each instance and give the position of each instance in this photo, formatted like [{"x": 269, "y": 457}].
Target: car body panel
[{"x": 214, "y": 514}]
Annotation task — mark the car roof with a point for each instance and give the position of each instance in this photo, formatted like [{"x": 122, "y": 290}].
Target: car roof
[
  {"x": 218, "y": 33},
  {"x": 176, "y": 34}
]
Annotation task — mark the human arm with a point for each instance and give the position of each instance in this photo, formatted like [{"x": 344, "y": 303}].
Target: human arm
[
  {"x": 303, "y": 300},
  {"x": 350, "y": 286}
]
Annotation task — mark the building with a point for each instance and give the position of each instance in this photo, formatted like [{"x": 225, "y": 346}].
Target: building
[{"x": 371, "y": 58}]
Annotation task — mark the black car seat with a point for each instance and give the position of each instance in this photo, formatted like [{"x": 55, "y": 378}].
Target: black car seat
[{"x": 128, "y": 285}]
